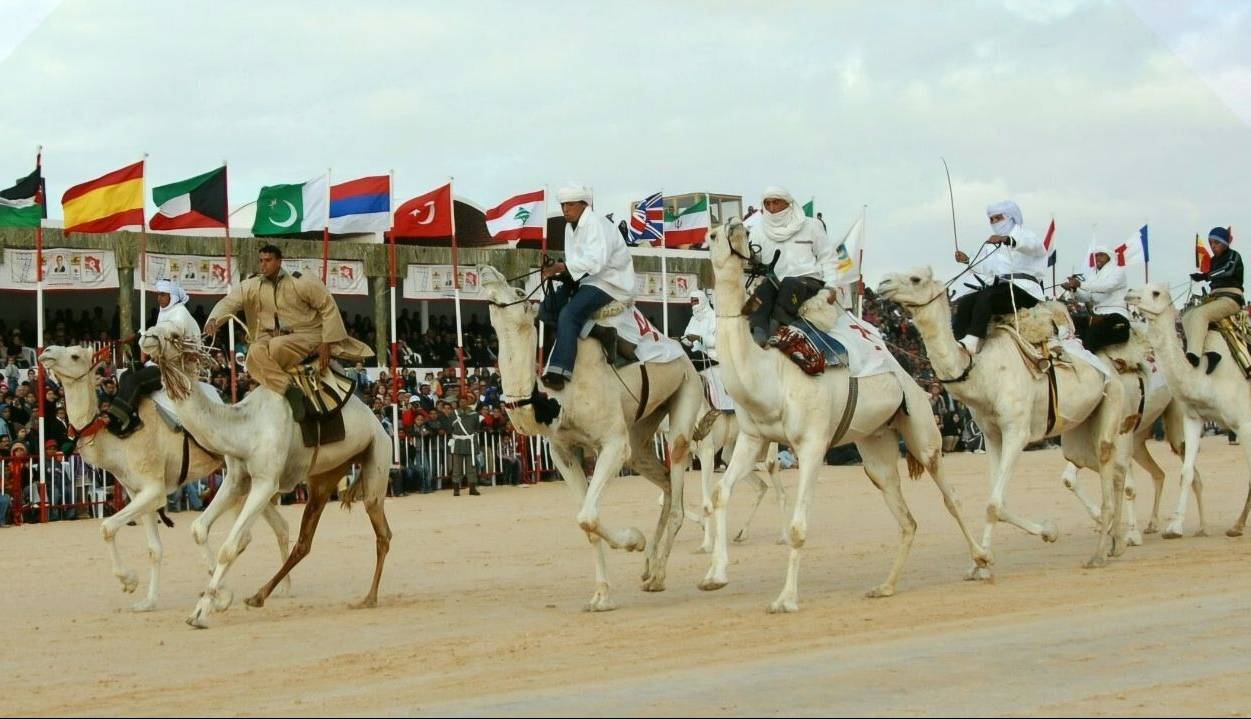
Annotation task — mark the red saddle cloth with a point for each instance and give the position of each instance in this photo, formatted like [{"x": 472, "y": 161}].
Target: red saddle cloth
[{"x": 799, "y": 348}]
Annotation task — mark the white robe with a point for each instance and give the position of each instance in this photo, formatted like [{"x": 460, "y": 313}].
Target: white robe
[
  {"x": 1106, "y": 291},
  {"x": 596, "y": 254},
  {"x": 1025, "y": 256},
  {"x": 808, "y": 253}
]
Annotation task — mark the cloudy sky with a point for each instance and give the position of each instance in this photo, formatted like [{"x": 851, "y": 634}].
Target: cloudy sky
[{"x": 1104, "y": 114}]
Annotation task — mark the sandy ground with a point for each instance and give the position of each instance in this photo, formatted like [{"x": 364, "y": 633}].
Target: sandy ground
[{"x": 480, "y": 613}]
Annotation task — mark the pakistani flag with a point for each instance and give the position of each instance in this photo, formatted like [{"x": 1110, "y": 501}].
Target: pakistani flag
[
  {"x": 19, "y": 205},
  {"x": 288, "y": 209},
  {"x": 197, "y": 202}
]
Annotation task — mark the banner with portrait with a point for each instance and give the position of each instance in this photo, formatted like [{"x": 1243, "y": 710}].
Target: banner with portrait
[
  {"x": 343, "y": 277},
  {"x": 197, "y": 274},
  {"x": 62, "y": 270},
  {"x": 434, "y": 282}
]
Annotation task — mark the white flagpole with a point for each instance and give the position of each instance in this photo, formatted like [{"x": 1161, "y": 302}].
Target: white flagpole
[
  {"x": 395, "y": 406},
  {"x": 460, "y": 337},
  {"x": 542, "y": 256},
  {"x": 864, "y": 216},
  {"x": 143, "y": 255},
  {"x": 40, "y": 384}
]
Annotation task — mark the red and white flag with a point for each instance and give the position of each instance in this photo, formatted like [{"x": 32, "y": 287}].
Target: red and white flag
[
  {"x": 523, "y": 217},
  {"x": 428, "y": 215}
]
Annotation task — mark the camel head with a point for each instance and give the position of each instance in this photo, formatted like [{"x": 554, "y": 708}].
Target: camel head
[
  {"x": 1152, "y": 300},
  {"x": 69, "y": 364},
  {"x": 508, "y": 308},
  {"x": 728, "y": 243},
  {"x": 911, "y": 288}
]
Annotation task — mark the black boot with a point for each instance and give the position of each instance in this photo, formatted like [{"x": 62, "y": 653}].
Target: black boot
[
  {"x": 473, "y": 490},
  {"x": 553, "y": 380},
  {"x": 295, "y": 398},
  {"x": 1214, "y": 358},
  {"x": 1193, "y": 359},
  {"x": 607, "y": 337},
  {"x": 456, "y": 489}
]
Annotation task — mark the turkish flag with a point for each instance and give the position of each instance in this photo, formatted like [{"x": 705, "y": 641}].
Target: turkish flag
[{"x": 428, "y": 215}]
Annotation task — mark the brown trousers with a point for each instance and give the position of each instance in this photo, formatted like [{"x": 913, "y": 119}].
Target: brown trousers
[
  {"x": 1196, "y": 320},
  {"x": 270, "y": 356}
]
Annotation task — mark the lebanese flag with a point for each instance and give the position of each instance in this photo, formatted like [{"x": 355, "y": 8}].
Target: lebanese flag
[
  {"x": 518, "y": 218},
  {"x": 428, "y": 215}
]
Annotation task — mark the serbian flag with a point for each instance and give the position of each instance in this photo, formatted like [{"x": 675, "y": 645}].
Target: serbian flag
[
  {"x": 1203, "y": 255},
  {"x": 1048, "y": 246},
  {"x": 522, "y": 217},
  {"x": 428, "y": 215},
  {"x": 362, "y": 205},
  {"x": 106, "y": 204}
]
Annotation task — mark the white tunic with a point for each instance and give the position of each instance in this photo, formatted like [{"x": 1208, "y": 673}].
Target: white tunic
[
  {"x": 596, "y": 254},
  {"x": 807, "y": 253},
  {"x": 1106, "y": 291},
  {"x": 1025, "y": 255},
  {"x": 703, "y": 325},
  {"x": 178, "y": 317}
]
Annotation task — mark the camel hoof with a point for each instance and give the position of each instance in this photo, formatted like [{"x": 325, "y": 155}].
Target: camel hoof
[
  {"x": 654, "y": 584},
  {"x": 366, "y": 603},
  {"x": 783, "y": 606},
  {"x": 702, "y": 550},
  {"x": 256, "y": 600},
  {"x": 712, "y": 584},
  {"x": 978, "y": 573},
  {"x": 143, "y": 605},
  {"x": 130, "y": 581},
  {"x": 1171, "y": 533},
  {"x": 198, "y": 618},
  {"x": 222, "y": 599},
  {"x": 1151, "y": 529},
  {"x": 880, "y": 592},
  {"x": 741, "y": 537},
  {"x": 781, "y": 540},
  {"x": 1050, "y": 532},
  {"x": 1118, "y": 547},
  {"x": 1202, "y": 532},
  {"x": 636, "y": 543},
  {"x": 1233, "y": 532},
  {"x": 1095, "y": 563},
  {"x": 1133, "y": 538},
  {"x": 599, "y": 604}
]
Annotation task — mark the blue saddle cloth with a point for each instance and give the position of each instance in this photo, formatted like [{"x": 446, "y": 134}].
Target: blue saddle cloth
[{"x": 834, "y": 352}]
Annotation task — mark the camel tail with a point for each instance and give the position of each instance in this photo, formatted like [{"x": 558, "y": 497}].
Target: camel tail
[{"x": 915, "y": 468}]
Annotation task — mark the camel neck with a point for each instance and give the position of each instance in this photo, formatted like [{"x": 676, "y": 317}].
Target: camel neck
[
  {"x": 738, "y": 349},
  {"x": 933, "y": 322},
  {"x": 517, "y": 354},
  {"x": 211, "y": 423},
  {"x": 1162, "y": 334},
  {"x": 81, "y": 405}
]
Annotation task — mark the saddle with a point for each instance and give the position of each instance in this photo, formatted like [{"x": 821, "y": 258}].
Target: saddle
[
  {"x": 1236, "y": 331},
  {"x": 808, "y": 347},
  {"x": 324, "y": 394},
  {"x": 1035, "y": 332},
  {"x": 617, "y": 350}
]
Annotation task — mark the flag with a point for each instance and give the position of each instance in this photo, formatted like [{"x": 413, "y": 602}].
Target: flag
[
  {"x": 522, "y": 217},
  {"x": 1134, "y": 250},
  {"x": 1048, "y": 246},
  {"x": 847, "y": 259},
  {"x": 288, "y": 209},
  {"x": 1203, "y": 255},
  {"x": 106, "y": 204},
  {"x": 810, "y": 207},
  {"x": 197, "y": 202},
  {"x": 647, "y": 221},
  {"x": 689, "y": 227},
  {"x": 362, "y": 205},
  {"x": 428, "y": 215},
  {"x": 22, "y": 204}
]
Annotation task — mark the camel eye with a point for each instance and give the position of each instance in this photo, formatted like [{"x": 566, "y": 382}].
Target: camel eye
[
  {"x": 1155, "y": 294},
  {"x": 915, "y": 279},
  {"x": 74, "y": 356}
]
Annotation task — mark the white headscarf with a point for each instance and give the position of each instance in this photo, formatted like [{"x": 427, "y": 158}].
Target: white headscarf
[
  {"x": 177, "y": 295},
  {"x": 701, "y": 302},
  {"x": 781, "y": 226},
  {"x": 574, "y": 193},
  {"x": 1011, "y": 216},
  {"x": 1098, "y": 249}
]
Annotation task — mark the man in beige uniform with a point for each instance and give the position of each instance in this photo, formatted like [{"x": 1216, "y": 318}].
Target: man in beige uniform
[{"x": 289, "y": 316}]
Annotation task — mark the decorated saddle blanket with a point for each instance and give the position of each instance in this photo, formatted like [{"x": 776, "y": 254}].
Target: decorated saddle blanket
[
  {"x": 867, "y": 353},
  {"x": 632, "y": 327},
  {"x": 324, "y": 392}
]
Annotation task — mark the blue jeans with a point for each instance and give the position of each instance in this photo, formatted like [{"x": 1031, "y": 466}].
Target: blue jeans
[
  {"x": 568, "y": 314},
  {"x": 6, "y": 502},
  {"x": 190, "y": 490}
]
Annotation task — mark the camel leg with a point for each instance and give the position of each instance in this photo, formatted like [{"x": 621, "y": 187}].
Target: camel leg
[
  {"x": 1109, "y": 542},
  {"x": 319, "y": 490},
  {"x": 951, "y": 500},
  {"x": 569, "y": 464},
  {"x": 382, "y": 542},
  {"x": 155, "y": 553},
  {"x": 1133, "y": 537},
  {"x": 779, "y": 490},
  {"x": 1244, "y": 430},
  {"x": 707, "y": 457},
  {"x": 228, "y": 495},
  {"x": 282, "y": 534},
  {"x": 810, "y": 455},
  {"x": 1013, "y": 443},
  {"x": 761, "y": 490},
  {"x": 1147, "y": 462},
  {"x": 881, "y": 463},
  {"x": 746, "y": 450},
  {"x": 608, "y": 464},
  {"x": 215, "y": 597},
  {"x": 1070, "y": 479},
  {"x": 1192, "y": 430},
  {"x": 671, "y": 514},
  {"x": 145, "y": 501}
]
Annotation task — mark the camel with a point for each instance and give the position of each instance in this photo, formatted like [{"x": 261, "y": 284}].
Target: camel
[
  {"x": 722, "y": 437},
  {"x": 148, "y": 463},
  {"x": 1010, "y": 403},
  {"x": 1223, "y": 396},
  {"x": 599, "y": 412},
  {"x": 262, "y": 436},
  {"x": 808, "y": 414}
]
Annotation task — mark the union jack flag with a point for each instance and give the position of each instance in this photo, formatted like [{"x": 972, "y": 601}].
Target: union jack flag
[{"x": 647, "y": 221}]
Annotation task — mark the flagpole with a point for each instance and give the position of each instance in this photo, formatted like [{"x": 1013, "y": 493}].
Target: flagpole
[
  {"x": 542, "y": 258},
  {"x": 460, "y": 339},
  {"x": 143, "y": 251},
  {"x": 864, "y": 218},
  {"x": 40, "y": 377},
  {"x": 325, "y": 236},
  {"x": 395, "y": 395},
  {"x": 230, "y": 326}
]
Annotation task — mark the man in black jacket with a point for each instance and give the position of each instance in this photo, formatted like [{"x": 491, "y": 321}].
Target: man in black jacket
[{"x": 1225, "y": 280}]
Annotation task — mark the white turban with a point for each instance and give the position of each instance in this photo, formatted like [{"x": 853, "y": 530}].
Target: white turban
[
  {"x": 781, "y": 226},
  {"x": 1007, "y": 208},
  {"x": 574, "y": 193},
  {"x": 177, "y": 295}
]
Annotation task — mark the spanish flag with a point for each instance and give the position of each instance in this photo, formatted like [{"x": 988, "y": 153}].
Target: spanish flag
[
  {"x": 1203, "y": 256},
  {"x": 106, "y": 204}
]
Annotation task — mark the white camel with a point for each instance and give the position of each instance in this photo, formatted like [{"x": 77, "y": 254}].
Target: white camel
[
  {"x": 808, "y": 414},
  {"x": 148, "y": 463},
  {"x": 262, "y": 436},
  {"x": 721, "y": 437},
  {"x": 1223, "y": 396},
  {"x": 1012, "y": 404},
  {"x": 606, "y": 412}
]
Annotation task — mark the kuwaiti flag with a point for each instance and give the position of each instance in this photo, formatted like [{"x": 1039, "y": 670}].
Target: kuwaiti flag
[
  {"x": 523, "y": 217},
  {"x": 362, "y": 205},
  {"x": 688, "y": 227},
  {"x": 1048, "y": 247},
  {"x": 197, "y": 202},
  {"x": 288, "y": 209},
  {"x": 22, "y": 204}
]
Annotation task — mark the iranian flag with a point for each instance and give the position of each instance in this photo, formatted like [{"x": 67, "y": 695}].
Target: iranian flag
[
  {"x": 523, "y": 217},
  {"x": 288, "y": 209},
  {"x": 689, "y": 228},
  {"x": 197, "y": 202},
  {"x": 20, "y": 204}
]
